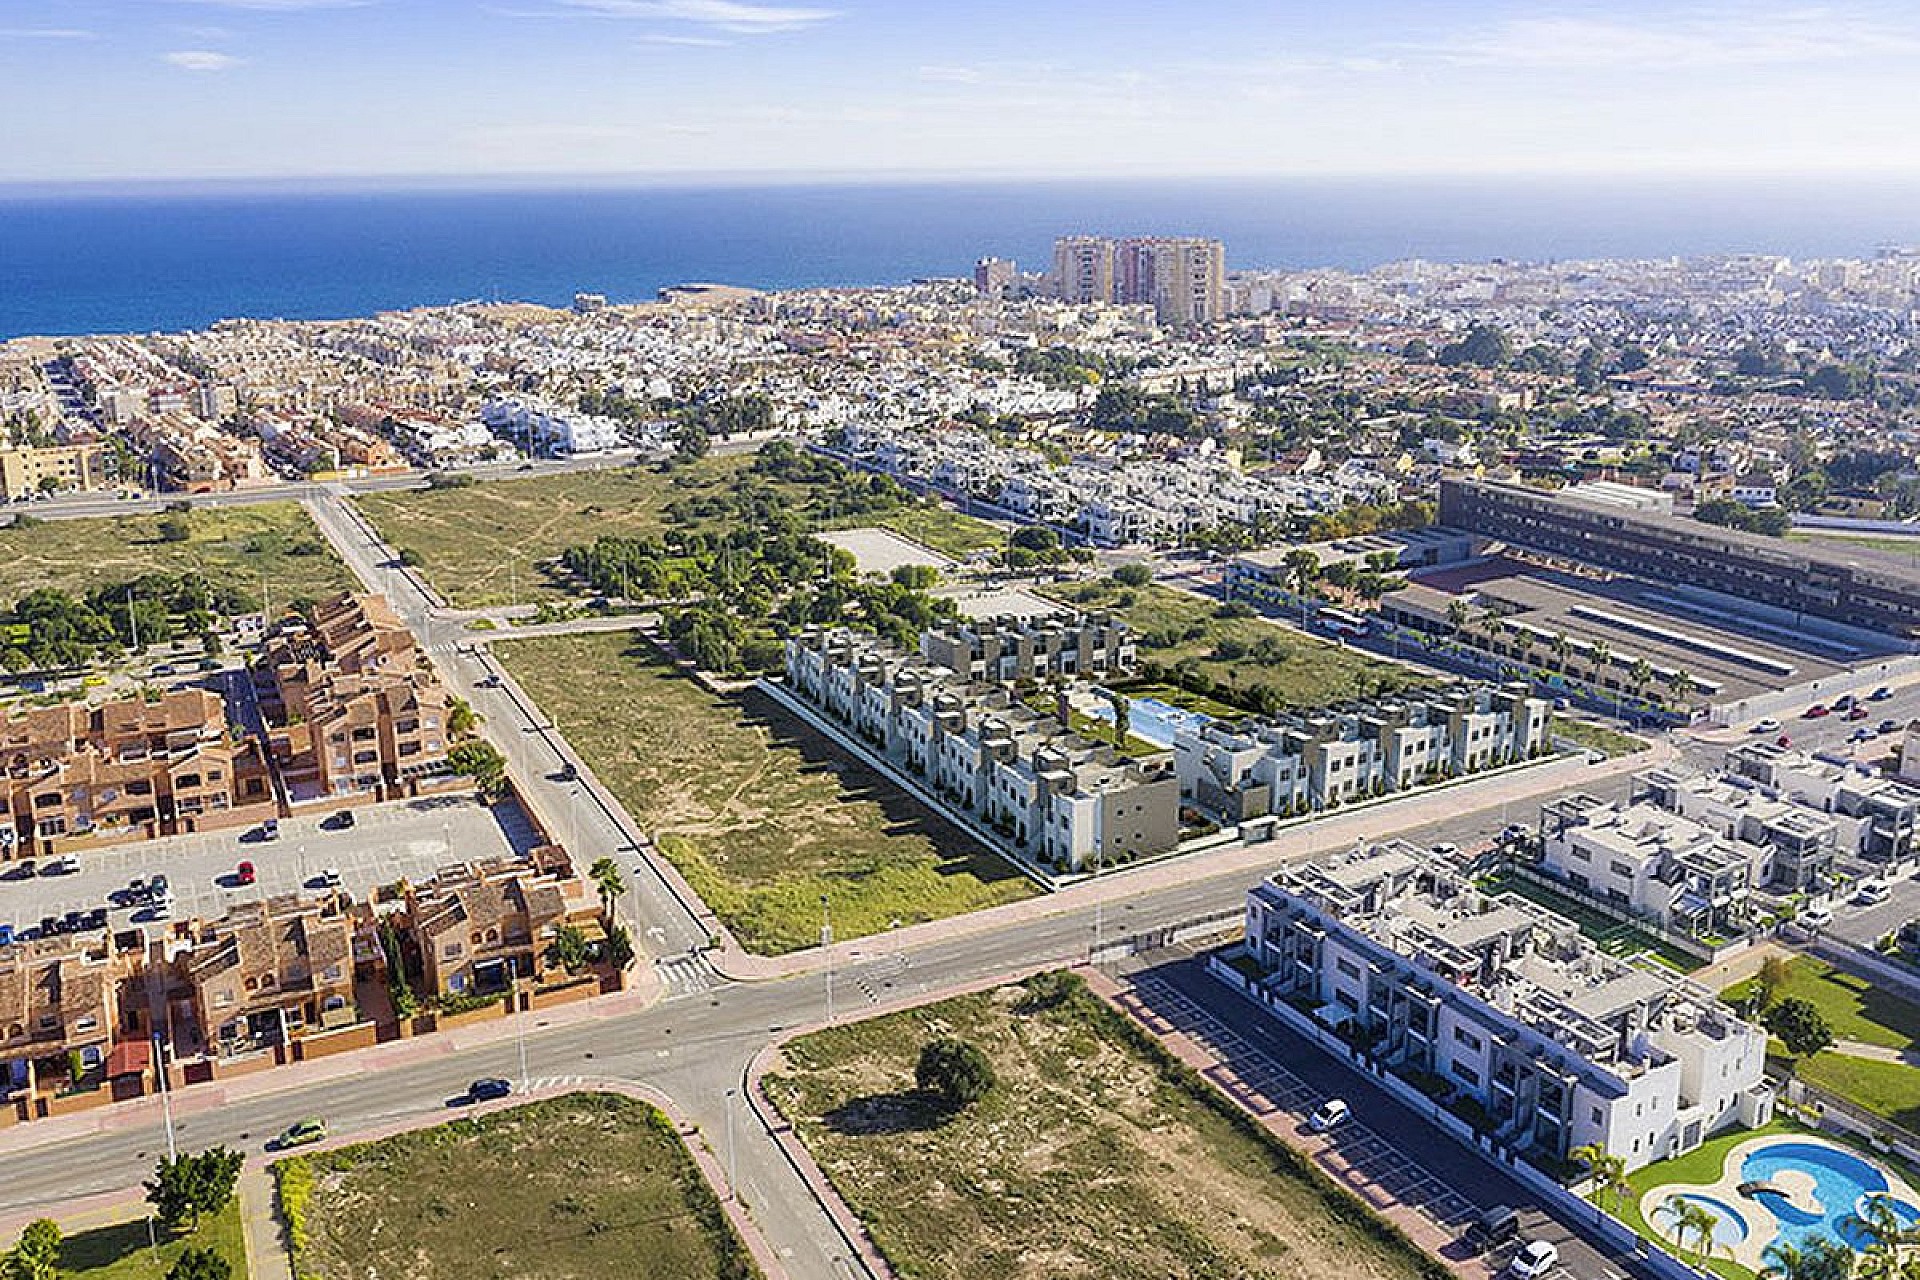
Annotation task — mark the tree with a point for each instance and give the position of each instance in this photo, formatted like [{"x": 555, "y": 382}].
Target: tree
[
  {"x": 692, "y": 443},
  {"x": 954, "y": 1071},
  {"x": 1608, "y": 1171},
  {"x": 619, "y": 948},
  {"x": 1691, "y": 1218},
  {"x": 1820, "y": 1258},
  {"x": 1133, "y": 575},
  {"x": 37, "y": 1256},
  {"x": 461, "y": 717},
  {"x": 1876, "y": 1220},
  {"x": 1800, "y": 1027},
  {"x": 605, "y": 874},
  {"x": 200, "y": 1264},
  {"x": 411, "y": 559},
  {"x": 481, "y": 761},
  {"x": 174, "y": 528},
  {"x": 1774, "y": 971},
  {"x": 568, "y": 948},
  {"x": 189, "y": 1186},
  {"x": 1459, "y": 614}
]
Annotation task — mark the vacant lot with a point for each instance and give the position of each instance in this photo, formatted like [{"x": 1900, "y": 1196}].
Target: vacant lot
[
  {"x": 273, "y": 545},
  {"x": 761, "y": 814},
  {"x": 584, "y": 1186},
  {"x": 1088, "y": 1159},
  {"x": 120, "y": 1252},
  {"x": 1176, "y": 629},
  {"x": 495, "y": 542}
]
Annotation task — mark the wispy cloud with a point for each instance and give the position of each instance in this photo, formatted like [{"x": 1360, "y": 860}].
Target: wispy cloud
[
  {"x": 44, "y": 33},
  {"x": 1683, "y": 40},
  {"x": 703, "y": 42},
  {"x": 952, "y": 75},
  {"x": 722, "y": 15},
  {"x": 202, "y": 60}
]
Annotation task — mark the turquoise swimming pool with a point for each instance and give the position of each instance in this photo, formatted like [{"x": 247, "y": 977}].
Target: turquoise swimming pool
[
  {"x": 1729, "y": 1227},
  {"x": 1842, "y": 1182}
]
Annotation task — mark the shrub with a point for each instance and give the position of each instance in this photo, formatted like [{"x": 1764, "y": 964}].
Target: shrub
[{"x": 954, "y": 1071}]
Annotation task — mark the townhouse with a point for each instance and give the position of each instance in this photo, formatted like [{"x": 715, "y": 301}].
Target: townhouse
[
  {"x": 1650, "y": 863},
  {"x": 1875, "y": 817},
  {"x": 1294, "y": 763},
  {"x": 1049, "y": 795},
  {"x": 356, "y": 709},
  {"x": 1003, "y": 650},
  {"x": 1502, "y": 1011},
  {"x": 480, "y": 927},
  {"x": 269, "y": 972},
  {"x": 129, "y": 768},
  {"x": 59, "y": 1008},
  {"x": 1796, "y": 844}
]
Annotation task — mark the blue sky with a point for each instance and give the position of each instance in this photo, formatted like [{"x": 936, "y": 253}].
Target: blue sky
[{"x": 184, "y": 89}]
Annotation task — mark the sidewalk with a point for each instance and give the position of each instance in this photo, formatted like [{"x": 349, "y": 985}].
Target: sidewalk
[
  {"x": 1334, "y": 831},
  {"x": 267, "y": 1254}
]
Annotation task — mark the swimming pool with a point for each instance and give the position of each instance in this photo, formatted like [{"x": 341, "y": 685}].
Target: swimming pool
[
  {"x": 1729, "y": 1227},
  {"x": 1842, "y": 1181},
  {"x": 1152, "y": 719}
]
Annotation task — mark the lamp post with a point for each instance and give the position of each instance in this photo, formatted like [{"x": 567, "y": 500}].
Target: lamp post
[
  {"x": 826, "y": 947},
  {"x": 519, "y": 1023},
  {"x": 733, "y": 1167},
  {"x": 166, "y": 1093}
]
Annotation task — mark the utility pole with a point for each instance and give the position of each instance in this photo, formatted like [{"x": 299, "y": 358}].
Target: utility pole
[
  {"x": 733, "y": 1166},
  {"x": 826, "y": 946},
  {"x": 166, "y": 1093},
  {"x": 133, "y": 623},
  {"x": 519, "y": 1022}
]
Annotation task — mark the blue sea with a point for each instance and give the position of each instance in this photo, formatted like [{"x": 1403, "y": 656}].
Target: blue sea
[{"x": 153, "y": 259}]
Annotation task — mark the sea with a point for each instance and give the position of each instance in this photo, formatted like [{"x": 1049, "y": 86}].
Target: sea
[{"x": 140, "y": 259}]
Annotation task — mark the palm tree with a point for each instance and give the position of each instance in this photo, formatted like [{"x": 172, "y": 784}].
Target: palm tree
[
  {"x": 1640, "y": 675},
  {"x": 1608, "y": 1172},
  {"x": 1819, "y": 1259},
  {"x": 1875, "y": 1219},
  {"x": 1562, "y": 649},
  {"x": 1458, "y": 614},
  {"x": 605, "y": 874},
  {"x": 1679, "y": 682},
  {"x": 1601, "y": 653},
  {"x": 1691, "y": 1218}
]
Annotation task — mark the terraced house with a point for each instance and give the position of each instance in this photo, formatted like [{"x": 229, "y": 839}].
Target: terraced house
[
  {"x": 356, "y": 710},
  {"x": 269, "y": 972},
  {"x": 481, "y": 927},
  {"x": 131, "y": 768},
  {"x": 1050, "y": 795},
  {"x": 58, "y": 1009},
  {"x": 1501, "y": 1010}
]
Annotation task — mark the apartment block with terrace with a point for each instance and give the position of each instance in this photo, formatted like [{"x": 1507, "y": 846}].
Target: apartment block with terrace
[
  {"x": 1875, "y": 817},
  {"x": 1004, "y": 650},
  {"x": 481, "y": 928},
  {"x": 131, "y": 768},
  {"x": 267, "y": 973},
  {"x": 1299, "y": 763},
  {"x": 355, "y": 709},
  {"x": 1502, "y": 1011},
  {"x": 1049, "y": 795}
]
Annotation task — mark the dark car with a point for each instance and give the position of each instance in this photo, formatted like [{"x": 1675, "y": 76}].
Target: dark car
[
  {"x": 97, "y": 918},
  {"x": 1493, "y": 1228},
  {"x": 1887, "y": 726},
  {"x": 73, "y": 922},
  {"x": 49, "y": 926},
  {"x": 6, "y": 935},
  {"x": 341, "y": 820},
  {"x": 490, "y": 1087}
]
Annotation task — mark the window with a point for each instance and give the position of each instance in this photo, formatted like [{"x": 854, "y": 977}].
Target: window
[
  {"x": 1349, "y": 968},
  {"x": 1462, "y": 1071},
  {"x": 1462, "y": 1035}
]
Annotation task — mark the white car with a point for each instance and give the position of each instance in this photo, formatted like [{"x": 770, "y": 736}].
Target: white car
[
  {"x": 1329, "y": 1115},
  {"x": 1815, "y": 917},
  {"x": 1535, "y": 1259},
  {"x": 1873, "y": 892},
  {"x": 1769, "y": 725}
]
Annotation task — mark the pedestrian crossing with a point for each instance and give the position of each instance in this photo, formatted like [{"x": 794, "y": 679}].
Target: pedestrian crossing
[
  {"x": 876, "y": 978},
  {"x": 558, "y": 1084},
  {"x": 685, "y": 974}
]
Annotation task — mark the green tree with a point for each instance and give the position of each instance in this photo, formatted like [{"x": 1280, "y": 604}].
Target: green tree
[
  {"x": 1775, "y": 969},
  {"x": 190, "y": 1186},
  {"x": 1876, "y": 1221},
  {"x": 1133, "y": 575},
  {"x": 200, "y": 1264},
  {"x": 37, "y": 1256},
  {"x": 1800, "y": 1027},
  {"x": 411, "y": 559},
  {"x": 1820, "y": 1258},
  {"x": 955, "y": 1071},
  {"x": 461, "y": 717},
  {"x": 605, "y": 874},
  {"x": 568, "y": 948},
  {"x": 1608, "y": 1172},
  {"x": 175, "y": 528},
  {"x": 1692, "y": 1219},
  {"x": 481, "y": 761}
]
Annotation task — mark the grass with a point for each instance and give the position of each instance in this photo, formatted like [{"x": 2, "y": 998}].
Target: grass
[
  {"x": 1596, "y": 737},
  {"x": 1699, "y": 1167},
  {"x": 1888, "y": 1089},
  {"x": 1174, "y": 696},
  {"x": 1853, "y": 1007},
  {"x": 759, "y": 812},
  {"x": 943, "y": 529},
  {"x": 1095, "y": 1156},
  {"x": 120, "y": 1252},
  {"x": 1175, "y": 628},
  {"x": 1905, "y": 548},
  {"x": 232, "y": 546},
  {"x": 585, "y": 1185}
]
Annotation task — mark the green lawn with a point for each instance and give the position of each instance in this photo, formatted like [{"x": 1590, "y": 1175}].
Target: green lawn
[
  {"x": 1596, "y": 737},
  {"x": 1175, "y": 696},
  {"x": 587, "y": 1185},
  {"x": 1175, "y": 628},
  {"x": 1905, "y": 548},
  {"x": 120, "y": 1252},
  {"x": 760, "y": 813},
  {"x": 1614, "y": 937},
  {"x": 1889, "y": 1089},
  {"x": 274, "y": 546},
  {"x": 1094, "y": 1157},
  {"x": 945, "y": 530},
  {"x": 1853, "y": 1007}
]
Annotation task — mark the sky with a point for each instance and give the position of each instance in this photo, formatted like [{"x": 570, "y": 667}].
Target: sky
[{"x": 118, "y": 90}]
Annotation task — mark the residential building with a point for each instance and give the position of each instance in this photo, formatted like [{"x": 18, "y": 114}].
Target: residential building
[
  {"x": 1797, "y": 844},
  {"x": 1909, "y": 769},
  {"x": 1182, "y": 277},
  {"x": 1876, "y": 817},
  {"x": 1852, "y": 586},
  {"x": 27, "y": 472},
  {"x": 355, "y": 707},
  {"x": 59, "y": 1004},
  {"x": 480, "y": 926},
  {"x": 1083, "y": 268},
  {"x": 546, "y": 428},
  {"x": 1049, "y": 795},
  {"x": 132, "y": 768},
  {"x": 1315, "y": 759},
  {"x": 1502, "y": 1010},
  {"x": 1003, "y": 650},
  {"x": 269, "y": 972},
  {"x": 992, "y": 277},
  {"x": 1650, "y": 863}
]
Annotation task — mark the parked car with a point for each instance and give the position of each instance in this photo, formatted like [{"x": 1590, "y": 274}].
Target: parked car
[
  {"x": 1815, "y": 712},
  {"x": 341, "y": 820},
  {"x": 97, "y": 918},
  {"x": 1818, "y": 917},
  {"x": 1785, "y": 741},
  {"x": 243, "y": 874},
  {"x": 329, "y": 878},
  {"x": 489, "y": 1087},
  {"x": 1887, "y": 726},
  {"x": 300, "y": 1134},
  {"x": 1493, "y": 1228},
  {"x": 61, "y": 866},
  {"x": 1535, "y": 1259},
  {"x": 1843, "y": 703},
  {"x": 270, "y": 829},
  {"x": 1768, "y": 725},
  {"x": 1329, "y": 1115},
  {"x": 1858, "y": 713},
  {"x": 6, "y": 935},
  {"x": 1862, "y": 734},
  {"x": 1873, "y": 892},
  {"x": 1880, "y": 695},
  {"x": 50, "y": 926}
]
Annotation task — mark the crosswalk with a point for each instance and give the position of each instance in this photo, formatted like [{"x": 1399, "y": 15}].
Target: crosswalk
[
  {"x": 543, "y": 1084},
  {"x": 685, "y": 974},
  {"x": 875, "y": 979}
]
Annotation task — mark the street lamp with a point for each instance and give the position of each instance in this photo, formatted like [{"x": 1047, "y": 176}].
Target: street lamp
[
  {"x": 166, "y": 1092},
  {"x": 519, "y": 1023},
  {"x": 733, "y": 1167},
  {"x": 826, "y": 947}
]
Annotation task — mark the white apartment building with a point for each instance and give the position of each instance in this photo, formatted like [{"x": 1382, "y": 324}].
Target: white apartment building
[
  {"x": 1876, "y": 817},
  {"x": 1650, "y": 863},
  {"x": 1499, "y": 1007},
  {"x": 1296, "y": 763},
  {"x": 1051, "y": 796},
  {"x": 1795, "y": 845},
  {"x": 547, "y": 428}
]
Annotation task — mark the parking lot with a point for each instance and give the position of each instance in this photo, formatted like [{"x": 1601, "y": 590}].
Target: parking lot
[
  {"x": 405, "y": 839},
  {"x": 1385, "y": 1155}
]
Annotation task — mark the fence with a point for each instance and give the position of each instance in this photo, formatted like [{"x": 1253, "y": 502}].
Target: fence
[
  {"x": 1594, "y": 1223},
  {"x": 1208, "y": 926},
  {"x": 1697, "y": 948}
]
